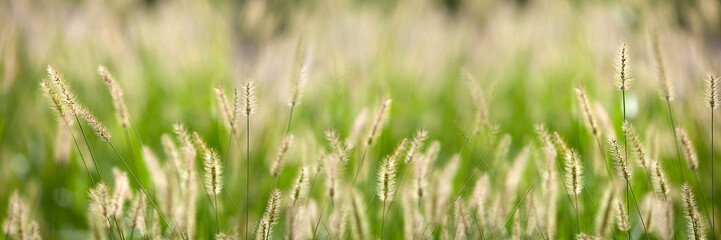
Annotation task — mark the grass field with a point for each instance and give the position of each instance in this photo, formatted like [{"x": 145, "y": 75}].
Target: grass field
[{"x": 338, "y": 119}]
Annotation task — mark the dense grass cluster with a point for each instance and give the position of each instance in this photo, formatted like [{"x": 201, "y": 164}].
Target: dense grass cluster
[{"x": 428, "y": 121}]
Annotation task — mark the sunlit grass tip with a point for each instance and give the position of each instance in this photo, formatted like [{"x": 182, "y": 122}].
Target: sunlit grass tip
[
  {"x": 696, "y": 226},
  {"x": 688, "y": 150},
  {"x": 280, "y": 157},
  {"x": 117, "y": 93}
]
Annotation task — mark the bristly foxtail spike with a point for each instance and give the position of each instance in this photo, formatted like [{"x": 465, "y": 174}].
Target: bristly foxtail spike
[
  {"x": 587, "y": 111},
  {"x": 712, "y": 91},
  {"x": 659, "y": 181},
  {"x": 621, "y": 163},
  {"x": 213, "y": 172},
  {"x": 624, "y": 81},
  {"x": 574, "y": 171},
  {"x": 688, "y": 150},
  {"x": 416, "y": 145},
  {"x": 249, "y": 101},
  {"x": 121, "y": 192},
  {"x": 696, "y": 228},
  {"x": 378, "y": 121},
  {"x": 637, "y": 147},
  {"x": 387, "y": 179},
  {"x": 53, "y": 96},
  {"x": 621, "y": 216},
  {"x": 300, "y": 73},
  {"x": 68, "y": 97},
  {"x": 282, "y": 151},
  {"x": 300, "y": 187},
  {"x": 223, "y": 107},
  {"x": 94, "y": 123},
  {"x": 271, "y": 216},
  {"x": 666, "y": 87}
]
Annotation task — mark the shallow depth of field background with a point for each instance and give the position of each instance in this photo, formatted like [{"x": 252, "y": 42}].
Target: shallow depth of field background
[{"x": 527, "y": 56}]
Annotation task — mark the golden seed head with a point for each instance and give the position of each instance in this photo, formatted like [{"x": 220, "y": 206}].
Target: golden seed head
[
  {"x": 666, "y": 87},
  {"x": 712, "y": 91},
  {"x": 223, "y": 108},
  {"x": 301, "y": 185},
  {"x": 637, "y": 147},
  {"x": 378, "y": 122},
  {"x": 100, "y": 202},
  {"x": 136, "y": 214},
  {"x": 696, "y": 226},
  {"x": 624, "y": 80},
  {"x": 94, "y": 123},
  {"x": 620, "y": 160},
  {"x": 121, "y": 192},
  {"x": 574, "y": 171},
  {"x": 213, "y": 172},
  {"x": 65, "y": 93},
  {"x": 659, "y": 181},
  {"x": 270, "y": 217},
  {"x": 117, "y": 93},
  {"x": 387, "y": 179},
  {"x": 688, "y": 150},
  {"x": 249, "y": 101},
  {"x": 279, "y": 159},
  {"x": 587, "y": 111},
  {"x": 416, "y": 145},
  {"x": 622, "y": 216}
]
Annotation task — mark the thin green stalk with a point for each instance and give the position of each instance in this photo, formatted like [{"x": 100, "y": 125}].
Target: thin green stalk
[
  {"x": 130, "y": 147},
  {"x": 675, "y": 140},
  {"x": 638, "y": 210},
  {"x": 290, "y": 118},
  {"x": 355, "y": 179},
  {"x": 132, "y": 232},
  {"x": 578, "y": 221},
  {"x": 320, "y": 217},
  {"x": 713, "y": 205},
  {"x": 217, "y": 216},
  {"x": 247, "y": 172},
  {"x": 117, "y": 225},
  {"x": 625, "y": 151},
  {"x": 77, "y": 146},
  {"x": 383, "y": 221},
  {"x": 95, "y": 163},
  {"x": 628, "y": 232}
]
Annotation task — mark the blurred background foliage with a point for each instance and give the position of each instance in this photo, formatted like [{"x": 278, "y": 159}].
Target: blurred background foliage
[{"x": 167, "y": 55}]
